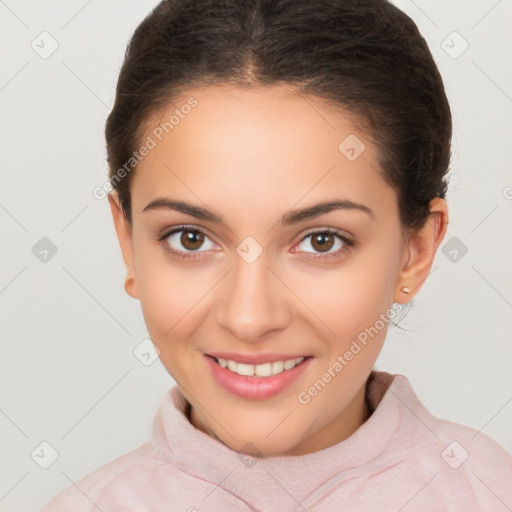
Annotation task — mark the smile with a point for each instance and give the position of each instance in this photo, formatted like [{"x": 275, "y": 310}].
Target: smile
[
  {"x": 259, "y": 370},
  {"x": 256, "y": 381}
]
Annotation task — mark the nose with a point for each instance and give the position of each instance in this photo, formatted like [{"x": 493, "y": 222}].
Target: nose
[{"x": 253, "y": 302}]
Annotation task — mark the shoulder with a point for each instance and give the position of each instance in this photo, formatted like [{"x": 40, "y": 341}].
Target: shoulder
[
  {"x": 468, "y": 468},
  {"x": 465, "y": 447},
  {"x": 113, "y": 481},
  {"x": 462, "y": 465},
  {"x": 418, "y": 420}
]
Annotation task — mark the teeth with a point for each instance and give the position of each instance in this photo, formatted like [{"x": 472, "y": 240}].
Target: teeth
[{"x": 259, "y": 370}]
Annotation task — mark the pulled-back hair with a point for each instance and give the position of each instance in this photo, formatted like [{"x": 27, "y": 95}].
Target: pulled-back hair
[{"x": 365, "y": 56}]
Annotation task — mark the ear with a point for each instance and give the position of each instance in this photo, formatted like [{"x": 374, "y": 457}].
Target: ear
[
  {"x": 420, "y": 250},
  {"x": 124, "y": 235}
]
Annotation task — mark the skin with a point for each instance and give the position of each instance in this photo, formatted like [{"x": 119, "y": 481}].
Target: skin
[{"x": 252, "y": 155}]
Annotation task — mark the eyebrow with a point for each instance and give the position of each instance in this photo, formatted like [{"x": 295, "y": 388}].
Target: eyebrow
[{"x": 289, "y": 218}]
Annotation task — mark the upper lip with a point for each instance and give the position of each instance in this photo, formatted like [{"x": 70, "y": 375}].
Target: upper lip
[{"x": 255, "y": 358}]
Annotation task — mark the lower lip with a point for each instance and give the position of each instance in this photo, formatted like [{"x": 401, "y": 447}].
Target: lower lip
[{"x": 257, "y": 388}]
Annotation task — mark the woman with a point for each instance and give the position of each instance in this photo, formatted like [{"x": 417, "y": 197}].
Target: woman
[{"x": 279, "y": 180}]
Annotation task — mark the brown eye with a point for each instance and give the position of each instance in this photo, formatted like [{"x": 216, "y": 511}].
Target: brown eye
[
  {"x": 322, "y": 242},
  {"x": 185, "y": 241},
  {"x": 192, "y": 240}
]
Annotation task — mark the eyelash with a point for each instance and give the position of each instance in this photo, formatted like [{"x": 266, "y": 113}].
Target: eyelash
[{"x": 192, "y": 256}]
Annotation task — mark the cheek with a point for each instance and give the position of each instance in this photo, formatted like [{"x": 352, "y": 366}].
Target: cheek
[
  {"x": 352, "y": 297},
  {"x": 170, "y": 300},
  {"x": 173, "y": 297},
  {"x": 171, "y": 307}
]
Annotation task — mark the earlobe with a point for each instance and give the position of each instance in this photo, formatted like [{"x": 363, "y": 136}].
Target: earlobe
[
  {"x": 124, "y": 235},
  {"x": 420, "y": 252}
]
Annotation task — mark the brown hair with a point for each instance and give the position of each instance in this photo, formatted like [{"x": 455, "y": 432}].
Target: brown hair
[{"x": 365, "y": 56}]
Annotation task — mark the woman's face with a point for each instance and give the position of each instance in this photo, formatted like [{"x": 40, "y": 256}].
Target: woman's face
[{"x": 256, "y": 278}]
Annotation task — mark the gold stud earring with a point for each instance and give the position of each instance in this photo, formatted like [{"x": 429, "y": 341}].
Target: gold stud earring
[{"x": 405, "y": 290}]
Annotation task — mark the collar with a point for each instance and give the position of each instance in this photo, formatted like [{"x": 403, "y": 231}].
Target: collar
[{"x": 299, "y": 477}]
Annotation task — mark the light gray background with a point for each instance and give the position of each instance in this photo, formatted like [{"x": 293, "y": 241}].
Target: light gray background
[{"x": 69, "y": 375}]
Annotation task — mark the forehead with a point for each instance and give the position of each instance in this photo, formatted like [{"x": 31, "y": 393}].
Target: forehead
[{"x": 243, "y": 147}]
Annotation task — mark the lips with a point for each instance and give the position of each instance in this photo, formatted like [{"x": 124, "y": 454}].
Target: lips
[{"x": 256, "y": 388}]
